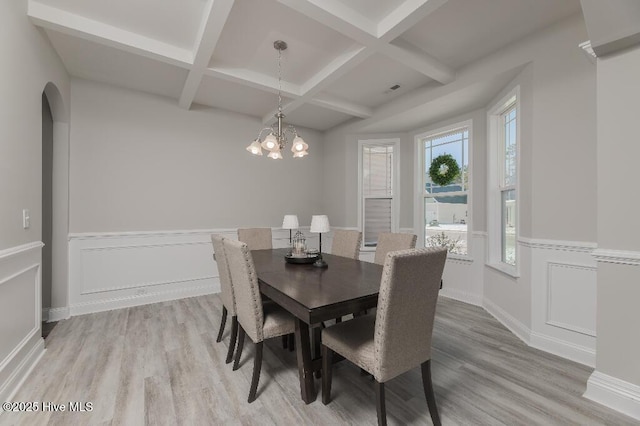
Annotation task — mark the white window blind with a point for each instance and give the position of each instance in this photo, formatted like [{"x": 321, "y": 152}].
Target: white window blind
[{"x": 377, "y": 191}]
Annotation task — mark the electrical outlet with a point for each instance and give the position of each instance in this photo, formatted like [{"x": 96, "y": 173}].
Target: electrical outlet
[{"x": 26, "y": 219}]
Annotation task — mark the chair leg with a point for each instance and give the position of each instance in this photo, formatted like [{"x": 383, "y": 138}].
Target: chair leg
[
  {"x": 241, "y": 334},
  {"x": 428, "y": 392},
  {"x": 234, "y": 336},
  {"x": 327, "y": 362},
  {"x": 222, "y": 324},
  {"x": 257, "y": 366},
  {"x": 380, "y": 404}
]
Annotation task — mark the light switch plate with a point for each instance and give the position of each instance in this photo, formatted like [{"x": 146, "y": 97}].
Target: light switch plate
[{"x": 26, "y": 219}]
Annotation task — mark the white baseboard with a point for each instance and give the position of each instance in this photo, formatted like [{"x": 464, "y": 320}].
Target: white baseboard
[
  {"x": 22, "y": 371},
  {"x": 519, "y": 329},
  {"x": 58, "y": 314},
  {"x": 614, "y": 393},
  {"x": 472, "y": 299},
  {"x": 563, "y": 348},
  {"x": 145, "y": 299}
]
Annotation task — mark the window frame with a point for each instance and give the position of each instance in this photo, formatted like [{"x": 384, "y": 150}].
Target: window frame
[
  {"x": 420, "y": 179},
  {"x": 395, "y": 184},
  {"x": 495, "y": 182}
]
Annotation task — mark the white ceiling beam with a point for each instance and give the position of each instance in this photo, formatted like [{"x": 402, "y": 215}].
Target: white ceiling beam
[
  {"x": 87, "y": 29},
  {"x": 286, "y": 108},
  {"x": 335, "y": 69},
  {"x": 323, "y": 78},
  {"x": 336, "y": 104},
  {"x": 409, "y": 55},
  {"x": 254, "y": 79},
  {"x": 207, "y": 39},
  {"x": 398, "y": 22},
  {"x": 404, "y": 17},
  {"x": 358, "y": 28}
]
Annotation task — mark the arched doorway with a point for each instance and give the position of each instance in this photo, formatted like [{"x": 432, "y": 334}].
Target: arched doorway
[
  {"x": 47, "y": 212},
  {"x": 55, "y": 206}
]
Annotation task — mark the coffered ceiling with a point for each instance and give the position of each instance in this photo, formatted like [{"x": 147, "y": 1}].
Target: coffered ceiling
[{"x": 343, "y": 57}]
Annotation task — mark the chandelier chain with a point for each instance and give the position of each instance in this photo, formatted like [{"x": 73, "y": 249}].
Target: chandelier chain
[{"x": 279, "y": 81}]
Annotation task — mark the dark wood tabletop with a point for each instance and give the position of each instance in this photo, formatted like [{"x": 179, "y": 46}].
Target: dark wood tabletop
[
  {"x": 318, "y": 294},
  {"x": 314, "y": 295}
]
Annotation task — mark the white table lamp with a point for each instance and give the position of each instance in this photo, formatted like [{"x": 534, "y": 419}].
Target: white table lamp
[
  {"x": 290, "y": 222},
  {"x": 320, "y": 224}
]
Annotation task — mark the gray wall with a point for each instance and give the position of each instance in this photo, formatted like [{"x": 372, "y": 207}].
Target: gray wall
[
  {"x": 618, "y": 346},
  {"x": 28, "y": 64},
  {"x": 141, "y": 163}
]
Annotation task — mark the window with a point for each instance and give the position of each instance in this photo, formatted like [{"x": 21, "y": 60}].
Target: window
[
  {"x": 444, "y": 216},
  {"x": 378, "y": 160},
  {"x": 503, "y": 183}
]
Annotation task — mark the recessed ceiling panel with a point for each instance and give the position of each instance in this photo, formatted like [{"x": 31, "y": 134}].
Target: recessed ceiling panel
[
  {"x": 315, "y": 117},
  {"x": 370, "y": 83},
  {"x": 375, "y": 10},
  {"x": 235, "y": 97},
  {"x": 253, "y": 25},
  {"x": 96, "y": 62},
  {"x": 172, "y": 22},
  {"x": 462, "y": 31}
]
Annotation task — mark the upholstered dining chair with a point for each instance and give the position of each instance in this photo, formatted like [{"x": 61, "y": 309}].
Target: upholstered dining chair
[
  {"x": 390, "y": 241},
  {"x": 256, "y": 238},
  {"x": 346, "y": 243},
  {"x": 398, "y": 338},
  {"x": 255, "y": 320},
  {"x": 226, "y": 294}
]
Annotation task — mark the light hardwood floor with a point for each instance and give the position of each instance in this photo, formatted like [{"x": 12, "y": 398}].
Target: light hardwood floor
[{"x": 159, "y": 364}]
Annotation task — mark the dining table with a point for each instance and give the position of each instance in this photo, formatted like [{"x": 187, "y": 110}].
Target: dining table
[{"x": 314, "y": 295}]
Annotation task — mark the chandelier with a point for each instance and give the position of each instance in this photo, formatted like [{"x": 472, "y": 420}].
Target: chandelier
[{"x": 276, "y": 140}]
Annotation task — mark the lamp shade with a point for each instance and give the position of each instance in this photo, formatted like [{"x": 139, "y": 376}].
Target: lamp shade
[
  {"x": 290, "y": 222},
  {"x": 255, "y": 148},
  {"x": 319, "y": 223},
  {"x": 275, "y": 155},
  {"x": 299, "y": 145},
  {"x": 270, "y": 143}
]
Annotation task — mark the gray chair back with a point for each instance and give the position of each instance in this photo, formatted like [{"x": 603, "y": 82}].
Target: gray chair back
[
  {"x": 245, "y": 288},
  {"x": 389, "y": 241},
  {"x": 226, "y": 289},
  {"x": 406, "y": 310},
  {"x": 256, "y": 238},
  {"x": 346, "y": 243}
]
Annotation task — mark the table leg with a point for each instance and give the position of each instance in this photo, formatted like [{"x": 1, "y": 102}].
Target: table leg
[
  {"x": 305, "y": 369},
  {"x": 317, "y": 342}
]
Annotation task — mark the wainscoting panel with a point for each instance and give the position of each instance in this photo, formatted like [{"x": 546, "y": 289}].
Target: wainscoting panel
[
  {"x": 21, "y": 344},
  {"x": 462, "y": 278},
  {"x": 565, "y": 284},
  {"x": 563, "y": 287},
  {"x": 117, "y": 270}
]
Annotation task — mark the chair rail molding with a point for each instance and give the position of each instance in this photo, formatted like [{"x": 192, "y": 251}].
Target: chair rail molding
[
  {"x": 621, "y": 257},
  {"x": 614, "y": 393},
  {"x": 577, "y": 246}
]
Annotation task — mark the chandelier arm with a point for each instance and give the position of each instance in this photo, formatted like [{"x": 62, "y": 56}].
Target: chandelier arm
[{"x": 261, "y": 131}]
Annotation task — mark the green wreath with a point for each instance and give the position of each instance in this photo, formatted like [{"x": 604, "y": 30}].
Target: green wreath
[{"x": 444, "y": 169}]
